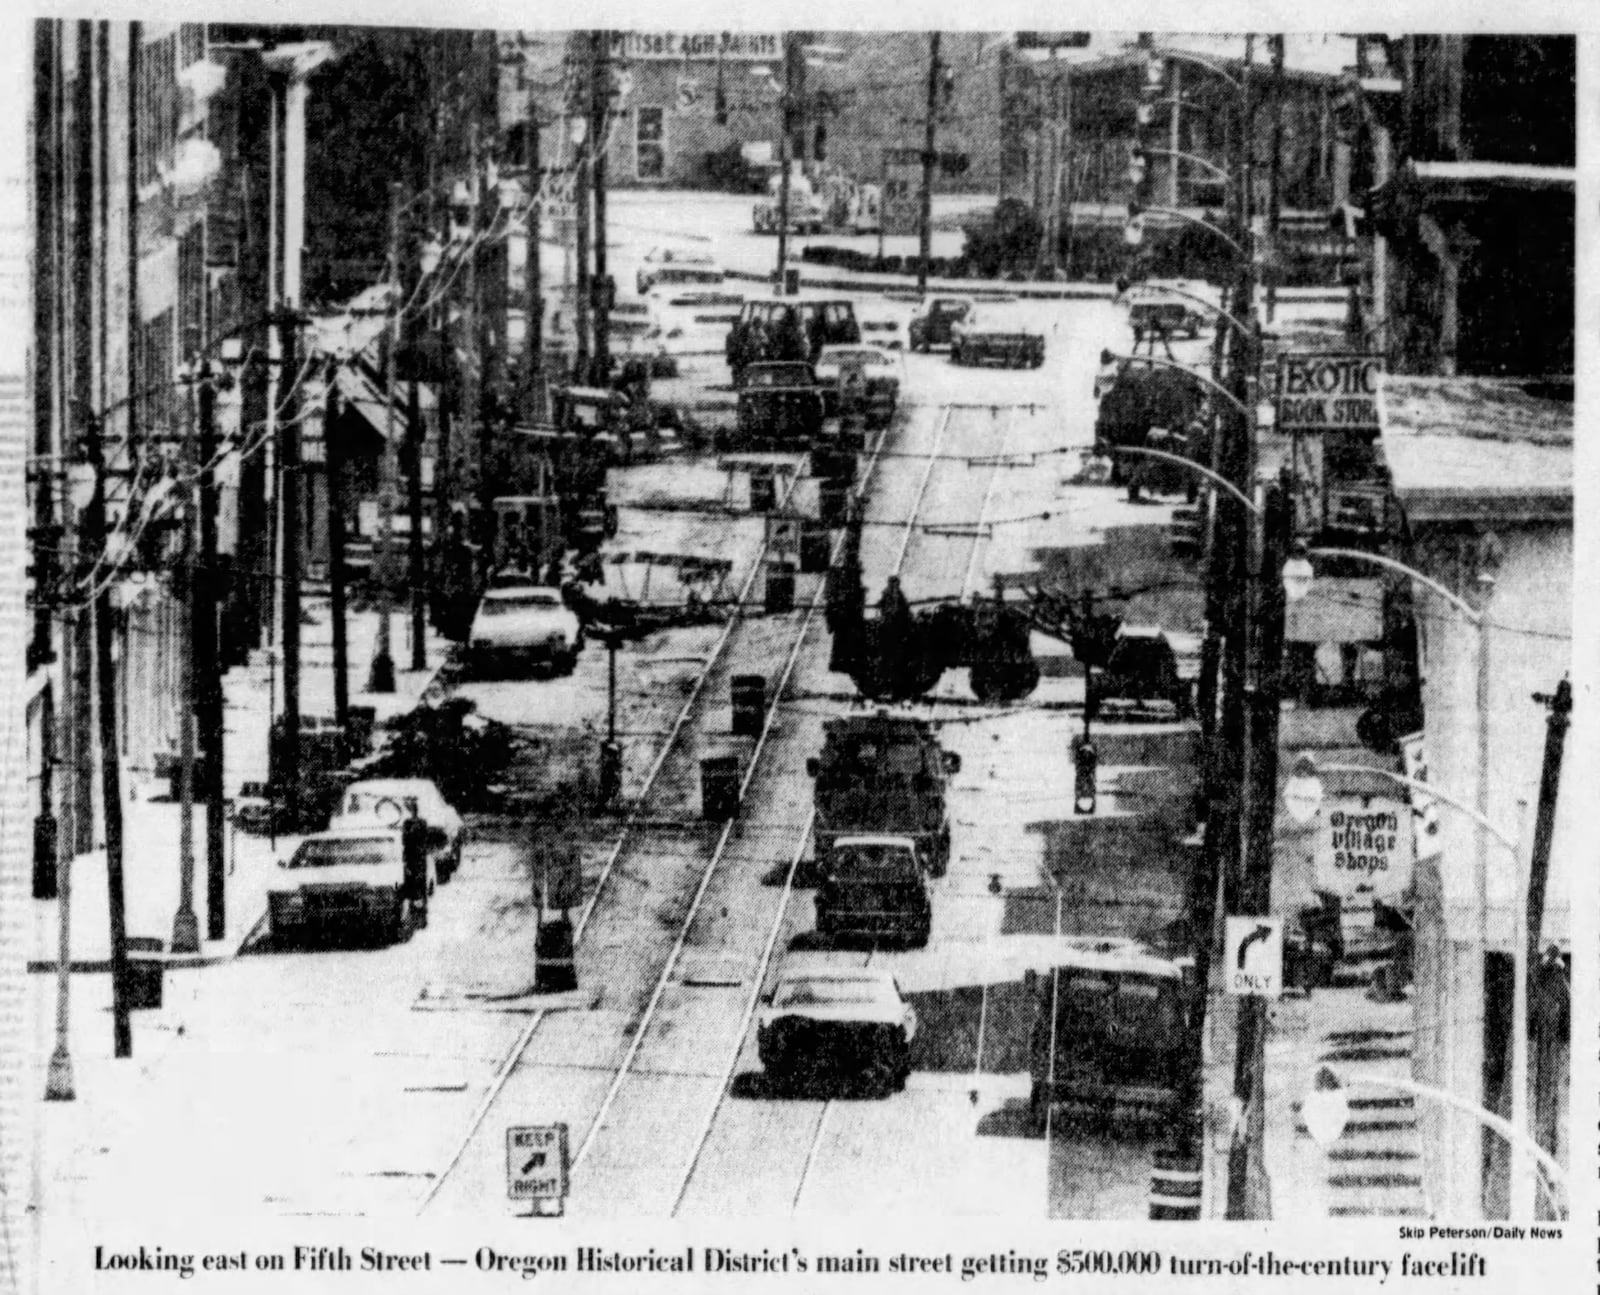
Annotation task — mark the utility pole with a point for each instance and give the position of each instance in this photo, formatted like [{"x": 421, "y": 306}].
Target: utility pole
[
  {"x": 418, "y": 554},
  {"x": 185, "y": 926},
  {"x": 1275, "y": 174},
  {"x": 785, "y": 121},
  {"x": 333, "y": 459},
  {"x": 381, "y": 677},
  {"x": 599, "y": 101},
  {"x": 289, "y": 488},
  {"x": 929, "y": 157},
  {"x": 94, "y": 542},
  {"x": 206, "y": 637},
  {"x": 582, "y": 181},
  {"x": 533, "y": 286}
]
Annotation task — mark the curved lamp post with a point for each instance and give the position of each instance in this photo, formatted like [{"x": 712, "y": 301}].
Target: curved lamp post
[
  {"x": 1326, "y": 1109},
  {"x": 1298, "y": 575}
]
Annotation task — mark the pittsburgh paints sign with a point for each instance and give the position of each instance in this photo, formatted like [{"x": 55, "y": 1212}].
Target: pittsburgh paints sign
[
  {"x": 1364, "y": 844},
  {"x": 732, "y": 46},
  {"x": 1322, "y": 393}
]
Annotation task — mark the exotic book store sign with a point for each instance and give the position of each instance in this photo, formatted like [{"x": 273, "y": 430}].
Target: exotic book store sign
[
  {"x": 1321, "y": 393},
  {"x": 1363, "y": 843}
]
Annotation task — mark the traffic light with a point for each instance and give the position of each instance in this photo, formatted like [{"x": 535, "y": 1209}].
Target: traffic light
[{"x": 1086, "y": 763}]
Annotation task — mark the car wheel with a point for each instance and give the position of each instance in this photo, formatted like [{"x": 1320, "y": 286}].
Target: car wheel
[{"x": 401, "y": 928}]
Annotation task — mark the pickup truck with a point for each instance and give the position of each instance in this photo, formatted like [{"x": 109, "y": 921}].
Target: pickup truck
[
  {"x": 933, "y": 325},
  {"x": 371, "y": 877},
  {"x": 975, "y": 341},
  {"x": 780, "y": 404}
]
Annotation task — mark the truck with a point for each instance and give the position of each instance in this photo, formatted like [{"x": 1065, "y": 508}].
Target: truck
[
  {"x": 882, "y": 773},
  {"x": 1112, "y": 1036}
]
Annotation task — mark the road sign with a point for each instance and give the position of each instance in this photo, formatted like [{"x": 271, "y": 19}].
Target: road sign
[
  {"x": 1253, "y": 957},
  {"x": 1363, "y": 843},
  {"x": 1323, "y": 393},
  {"x": 536, "y": 1162}
]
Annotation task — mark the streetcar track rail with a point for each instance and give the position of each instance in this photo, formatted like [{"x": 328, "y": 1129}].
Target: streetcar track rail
[{"x": 637, "y": 818}]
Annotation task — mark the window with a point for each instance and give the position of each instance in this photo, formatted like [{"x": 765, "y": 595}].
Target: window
[
  {"x": 650, "y": 140},
  {"x": 156, "y": 107}
]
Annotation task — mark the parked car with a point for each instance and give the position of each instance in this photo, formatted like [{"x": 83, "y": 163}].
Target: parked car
[
  {"x": 876, "y": 888},
  {"x": 828, "y": 1025},
  {"x": 779, "y": 404},
  {"x": 979, "y": 340},
  {"x": 1143, "y": 669},
  {"x": 387, "y": 802},
  {"x": 367, "y": 877},
  {"x": 527, "y": 624},
  {"x": 677, "y": 267},
  {"x": 1164, "y": 319},
  {"x": 864, "y": 375},
  {"x": 931, "y": 326},
  {"x": 788, "y": 330},
  {"x": 883, "y": 328}
]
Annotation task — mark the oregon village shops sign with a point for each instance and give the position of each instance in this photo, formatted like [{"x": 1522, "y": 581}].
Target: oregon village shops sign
[{"x": 1363, "y": 843}]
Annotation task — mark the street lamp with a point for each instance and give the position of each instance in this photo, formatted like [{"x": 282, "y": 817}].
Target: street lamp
[{"x": 1326, "y": 1110}]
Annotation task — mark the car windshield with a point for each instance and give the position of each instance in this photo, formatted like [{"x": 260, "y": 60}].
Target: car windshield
[
  {"x": 824, "y": 991},
  {"x": 876, "y": 863},
  {"x": 501, "y": 603},
  {"x": 333, "y": 852},
  {"x": 785, "y": 376}
]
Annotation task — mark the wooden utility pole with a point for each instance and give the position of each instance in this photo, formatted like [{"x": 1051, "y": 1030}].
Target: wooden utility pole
[
  {"x": 381, "y": 677},
  {"x": 1275, "y": 172},
  {"x": 418, "y": 554},
  {"x": 785, "y": 123},
  {"x": 207, "y": 638},
  {"x": 599, "y": 103},
  {"x": 929, "y": 158},
  {"x": 582, "y": 181},
  {"x": 333, "y": 458},
  {"x": 185, "y": 926},
  {"x": 533, "y": 269},
  {"x": 289, "y": 489}
]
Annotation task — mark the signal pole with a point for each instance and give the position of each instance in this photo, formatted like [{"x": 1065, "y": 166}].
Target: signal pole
[
  {"x": 785, "y": 122},
  {"x": 599, "y": 102},
  {"x": 925, "y": 218},
  {"x": 582, "y": 181},
  {"x": 333, "y": 455}
]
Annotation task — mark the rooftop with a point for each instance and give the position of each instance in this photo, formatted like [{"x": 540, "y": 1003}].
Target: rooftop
[{"x": 1466, "y": 448}]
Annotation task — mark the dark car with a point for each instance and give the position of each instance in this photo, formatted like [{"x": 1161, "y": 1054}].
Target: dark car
[
  {"x": 876, "y": 889},
  {"x": 780, "y": 405},
  {"x": 859, "y": 379},
  {"x": 1143, "y": 669},
  {"x": 932, "y": 326},
  {"x": 788, "y": 330},
  {"x": 1164, "y": 319}
]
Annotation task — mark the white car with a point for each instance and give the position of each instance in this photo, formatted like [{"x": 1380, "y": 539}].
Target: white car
[
  {"x": 831, "y": 1024},
  {"x": 357, "y": 876},
  {"x": 870, "y": 373},
  {"x": 677, "y": 267},
  {"x": 387, "y": 802},
  {"x": 524, "y": 623}
]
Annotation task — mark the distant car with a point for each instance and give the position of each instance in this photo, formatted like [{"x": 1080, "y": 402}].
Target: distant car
[
  {"x": 883, "y": 329},
  {"x": 828, "y": 1024},
  {"x": 980, "y": 340},
  {"x": 1142, "y": 669},
  {"x": 387, "y": 802},
  {"x": 367, "y": 877},
  {"x": 932, "y": 325},
  {"x": 866, "y": 373},
  {"x": 526, "y": 624},
  {"x": 779, "y": 404},
  {"x": 876, "y": 889},
  {"x": 1164, "y": 319},
  {"x": 677, "y": 267}
]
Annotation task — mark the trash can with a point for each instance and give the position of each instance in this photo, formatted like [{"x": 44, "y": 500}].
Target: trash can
[
  {"x": 780, "y": 587},
  {"x": 1174, "y": 1186},
  {"x": 556, "y": 968},
  {"x": 749, "y": 692},
  {"x": 610, "y": 772},
  {"x": 358, "y": 735},
  {"x": 791, "y": 282},
  {"x": 145, "y": 973},
  {"x": 45, "y": 880},
  {"x": 816, "y": 547},
  {"x": 763, "y": 492},
  {"x": 833, "y": 501},
  {"x": 719, "y": 787}
]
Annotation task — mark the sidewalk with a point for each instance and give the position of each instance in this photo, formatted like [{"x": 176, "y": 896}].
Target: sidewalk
[{"x": 152, "y": 817}]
